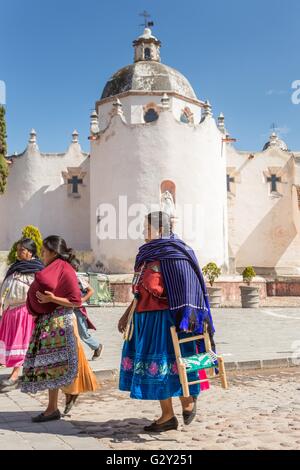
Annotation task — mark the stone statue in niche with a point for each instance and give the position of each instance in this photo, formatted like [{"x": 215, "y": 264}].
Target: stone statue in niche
[{"x": 167, "y": 203}]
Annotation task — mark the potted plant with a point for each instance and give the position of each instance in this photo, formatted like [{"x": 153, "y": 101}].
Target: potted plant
[
  {"x": 212, "y": 272},
  {"x": 249, "y": 294}
]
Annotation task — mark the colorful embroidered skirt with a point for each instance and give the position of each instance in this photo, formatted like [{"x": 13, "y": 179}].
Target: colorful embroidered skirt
[
  {"x": 16, "y": 326},
  {"x": 148, "y": 365},
  {"x": 52, "y": 358}
]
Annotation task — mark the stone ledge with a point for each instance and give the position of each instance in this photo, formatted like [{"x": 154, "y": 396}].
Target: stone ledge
[
  {"x": 261, "y": 364},
  {"x": 113, "y": 374}
]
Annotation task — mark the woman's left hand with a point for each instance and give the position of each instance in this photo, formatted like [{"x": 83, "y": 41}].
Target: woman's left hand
[{"x": 46, "y": 297}]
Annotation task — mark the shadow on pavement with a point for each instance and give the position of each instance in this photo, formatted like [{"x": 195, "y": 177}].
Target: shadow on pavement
[{"x": 118, "y": 431}]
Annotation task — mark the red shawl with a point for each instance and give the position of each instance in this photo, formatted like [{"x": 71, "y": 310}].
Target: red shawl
[{"x": 58, "y": 277}]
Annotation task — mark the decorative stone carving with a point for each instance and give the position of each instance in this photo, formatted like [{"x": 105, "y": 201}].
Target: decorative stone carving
[
  {"x": 94, "y": 125},
  {"x": 75, "y": 137},
  {"x": 32, "y": 137},
  {"x": 167, "y": 204}
]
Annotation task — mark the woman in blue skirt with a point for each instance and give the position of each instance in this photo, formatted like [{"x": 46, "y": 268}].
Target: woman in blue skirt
[{"x": 169, "y": 290}]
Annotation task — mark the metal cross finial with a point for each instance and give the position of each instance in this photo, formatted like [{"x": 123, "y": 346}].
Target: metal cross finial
[
  {"x": 146, "y": 23},
  {"x": 274, "y": 127}
]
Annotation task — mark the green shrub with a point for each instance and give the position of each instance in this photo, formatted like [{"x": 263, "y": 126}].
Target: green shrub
[
  {"x": 27, "y": 232},
  {"x": 212, "y": 272},
  {"x": 248, "y": 274},
  {"x": 3, "y": 174}
]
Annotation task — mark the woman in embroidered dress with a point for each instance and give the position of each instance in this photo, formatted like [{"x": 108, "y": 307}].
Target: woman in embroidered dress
[
  {"x": 55, "y": 358},
  {"x": 16, "y": 324},
  {"x": 170, "y": 290}
]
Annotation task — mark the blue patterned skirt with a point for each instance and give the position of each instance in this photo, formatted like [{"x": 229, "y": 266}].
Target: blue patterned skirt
[{"x": 148, "y": 366}]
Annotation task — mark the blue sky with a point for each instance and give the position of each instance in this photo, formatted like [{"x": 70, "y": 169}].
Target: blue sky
[{"x": 56, "y": 56}]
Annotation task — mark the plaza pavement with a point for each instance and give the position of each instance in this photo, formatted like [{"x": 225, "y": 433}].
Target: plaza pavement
[
  {"x": 247, "y": 338},
  {"x": 261, "y": 410},
  {"x": 242, "y": 335}
]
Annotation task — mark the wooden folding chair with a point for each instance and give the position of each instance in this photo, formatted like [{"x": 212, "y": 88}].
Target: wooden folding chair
[{"x": 207, "y": 361}]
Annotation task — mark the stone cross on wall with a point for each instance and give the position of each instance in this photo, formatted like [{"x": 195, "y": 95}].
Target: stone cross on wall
[
  {"x": 74, "y": 179},
  {"x": 230, "y": 179},
  {"x": 273, "y": 179}
]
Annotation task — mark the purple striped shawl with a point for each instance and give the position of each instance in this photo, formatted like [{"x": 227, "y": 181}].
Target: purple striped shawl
[{"x": 183, "y": 279}]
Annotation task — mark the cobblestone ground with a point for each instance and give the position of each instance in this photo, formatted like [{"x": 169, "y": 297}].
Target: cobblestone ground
[
  {"x": 17, "y": 432},
  {"x": 261, "y": 411}
]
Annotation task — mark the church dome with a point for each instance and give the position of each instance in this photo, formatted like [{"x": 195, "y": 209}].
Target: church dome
[
  {"x": 275, "y": 142},
  {"x": 147, "y": 73},
  {"x": 148, "y": 76}
]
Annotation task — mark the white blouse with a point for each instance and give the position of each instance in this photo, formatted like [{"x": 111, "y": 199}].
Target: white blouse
[{"x": 13, "y": 291}]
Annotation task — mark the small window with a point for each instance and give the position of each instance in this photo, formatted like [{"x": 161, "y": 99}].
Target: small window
[
  {"x": 151, "y": 115},
  {"x": 187, "y": 116},
  {"x": 147, "y": 54},
  {"x": 184, "y": 118}
]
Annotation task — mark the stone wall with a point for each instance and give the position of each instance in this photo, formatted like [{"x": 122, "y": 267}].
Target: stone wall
[
  {"x": 231, "y": 288},
  {"x": 121, "y": 287},
  {"x": 284, "y": 288}
]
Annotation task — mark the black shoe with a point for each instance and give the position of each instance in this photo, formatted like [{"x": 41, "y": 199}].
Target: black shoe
[
  {"x": 98, "y": 352},
  {"x": 70, "y": 401},
  {"x": 42, "y": 418},
  {"x": 188, "y": 416},
  {"x": 167, "y": 426}
]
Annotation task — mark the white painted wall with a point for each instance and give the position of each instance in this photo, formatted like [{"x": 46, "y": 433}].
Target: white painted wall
[
  {"x": 36, "y": 195},
  {"x": 262, "y": 228},
  {"x": 139, "y": 158},
  {"x": 133, "y": 105}
]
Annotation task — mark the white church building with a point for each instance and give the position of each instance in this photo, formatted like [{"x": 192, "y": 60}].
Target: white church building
[{"x": 154, "y": 143}]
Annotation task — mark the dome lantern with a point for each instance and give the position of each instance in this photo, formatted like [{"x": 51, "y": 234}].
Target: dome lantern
[{"x": 146, "y": 47}]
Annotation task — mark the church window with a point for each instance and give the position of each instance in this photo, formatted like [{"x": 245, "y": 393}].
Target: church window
[
  {"x": 147, "y": 53},
  {"x": 187, "y": 116},
  {"x": 184, "y": 118},
  {"x": 151, "y": 115}
]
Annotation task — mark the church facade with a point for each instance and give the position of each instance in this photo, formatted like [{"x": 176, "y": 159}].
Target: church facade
[{"x": 155, "y": 145}]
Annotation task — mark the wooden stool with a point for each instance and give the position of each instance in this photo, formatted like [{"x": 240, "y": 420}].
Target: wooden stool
[{"x": 207, "y": 361}]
